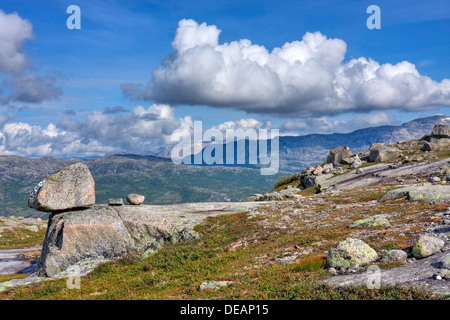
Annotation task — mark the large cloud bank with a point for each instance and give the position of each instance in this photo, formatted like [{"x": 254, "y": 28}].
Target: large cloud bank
[
  {"x": 97, "y": 133},
  {"x": 306, "y": 78}
]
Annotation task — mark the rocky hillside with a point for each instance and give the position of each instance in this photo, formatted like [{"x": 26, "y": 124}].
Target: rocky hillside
[{"x": 377, "y": 220}]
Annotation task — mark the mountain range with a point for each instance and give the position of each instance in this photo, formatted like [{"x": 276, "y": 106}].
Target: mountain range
[{"x": 163, "y": 182}]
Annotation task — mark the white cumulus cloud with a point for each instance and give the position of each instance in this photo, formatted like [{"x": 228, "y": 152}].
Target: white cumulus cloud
[
  {"x": 13, "y": 32},
  {"x": 306, "y": 78}
]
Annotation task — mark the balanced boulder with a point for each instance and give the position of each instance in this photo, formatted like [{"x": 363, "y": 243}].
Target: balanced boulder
[{"x": 70, "y": 188}]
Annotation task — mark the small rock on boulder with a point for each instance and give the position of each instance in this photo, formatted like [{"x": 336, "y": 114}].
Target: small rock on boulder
[
  {"x": 426, "y": 246},
  {"x": 70, "y": 188},
  {"x": 350, "y": 251},
  {"x": 135, "y": 199},
  {"x": 115, "y": 202}
]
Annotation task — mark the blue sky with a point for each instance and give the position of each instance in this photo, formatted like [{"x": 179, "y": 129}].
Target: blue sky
[{"x": 80, "y": 73}]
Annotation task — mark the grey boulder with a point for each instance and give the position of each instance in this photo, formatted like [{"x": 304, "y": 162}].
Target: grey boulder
[
  {"x": 383, "y": 153},
  {"x": 71, "y": 187},
  {"x": 337, "y": 154}
]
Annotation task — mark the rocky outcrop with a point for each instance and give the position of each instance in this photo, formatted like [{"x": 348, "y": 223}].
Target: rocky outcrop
[
  {"x": 441, "y": 131},
  {"x": 70, "y": 188},
  {"x": 438, "y": 139},
  {"x": 103, "y": 232},
  {"x": 383, "y": 173}
]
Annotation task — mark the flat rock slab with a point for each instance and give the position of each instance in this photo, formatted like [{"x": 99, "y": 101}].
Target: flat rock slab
[
  {"x": 418, "y": 273},
  {"x": 12, "y": 261},
  {"x": 428, "y": 193},
  {"x": 105, "y": 232},
  {"x": 379, "y": 174}
]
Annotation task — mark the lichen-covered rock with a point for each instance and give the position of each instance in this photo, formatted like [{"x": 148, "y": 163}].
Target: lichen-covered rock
[
  {"x": 396, "y": 255},
  {"x": 375, "y": 221},
  {"x": 214, "y": 285},
  {"x": 135, "y": 199},
  {"x": 429, "y": 193},
  {"x": 337, "y": 154},
  {"x": 426, "y": 246},
  {"x": 70, "y": 188},
  {"x": 350, "y": 251}
]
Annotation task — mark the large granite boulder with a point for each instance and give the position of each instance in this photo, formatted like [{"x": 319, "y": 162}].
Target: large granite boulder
[
  {"x": 383, "y": 153},
  {"x": 350, "y": 251},
  {"x": 337, "y": 154},
  {"x": 70, "y": 188},
  {"x": 102, "y": 232},
  {"x": 441, "y": 131}
]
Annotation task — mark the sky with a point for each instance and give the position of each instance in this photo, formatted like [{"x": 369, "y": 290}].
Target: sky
[{"x": 138, "y": 70}]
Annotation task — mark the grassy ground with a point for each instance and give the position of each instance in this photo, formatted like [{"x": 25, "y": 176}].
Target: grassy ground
[
  {"x": 249, "y": 249},
  {"x": 16, "y": 235}
]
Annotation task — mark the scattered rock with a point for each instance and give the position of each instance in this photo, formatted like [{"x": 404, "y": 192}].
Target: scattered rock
[
  {"x": 359, "y": 171},
  {"x": 396, "y": 255},
  {"x": 332, "y": 271},
  {"x": 214, "y": 285},
  {"x": 70, "y": 188},
  {"x": 426, "y": 246},
  {"x": 375, "y": 221},
  {"x": 317, "y": 170},
  {"x": 434, "y": 180},
  {"x": 309, "y": 181},
  {"x": 135, "y": 199},
  {"x": 349, "y": 251},
  {"x": 337, "y": 154}
]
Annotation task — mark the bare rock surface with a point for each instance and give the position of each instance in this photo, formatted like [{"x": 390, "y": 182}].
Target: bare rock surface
[
  {"x": 428, "y": 193},
  {"x": 381, "y": 173},
  {"x": 418, "y": 273}
]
